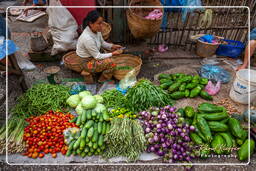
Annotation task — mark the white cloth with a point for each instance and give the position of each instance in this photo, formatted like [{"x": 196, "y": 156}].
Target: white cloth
[{"x": 89, "y": 44}]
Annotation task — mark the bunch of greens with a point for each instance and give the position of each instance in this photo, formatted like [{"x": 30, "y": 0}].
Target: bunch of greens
[
  {"x": 15, "y": 128},
  {"x": 40, "y": 99},
  {"x": 125, "y": 138},
  {"x": 113, "y": 99},
  {"x": 145, "y": 95}
]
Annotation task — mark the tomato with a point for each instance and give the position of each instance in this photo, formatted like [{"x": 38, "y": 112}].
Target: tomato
[
  {"x": 54, "y": 155},
  {"x": 46, "y": 151},
  {"x": 41, "y": 155},
  {"x": 34, "y": 155}
]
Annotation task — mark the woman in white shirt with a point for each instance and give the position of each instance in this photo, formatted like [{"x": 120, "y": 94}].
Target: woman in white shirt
[{"x": 88, "y": 49}]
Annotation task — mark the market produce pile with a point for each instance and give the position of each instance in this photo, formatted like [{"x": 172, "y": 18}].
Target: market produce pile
[
  {"x": 93, "y": 121},
  {"x": 184, "y": 86},
  {"x": 112, "y": 124},
  {"x": 216, "y": 128}
]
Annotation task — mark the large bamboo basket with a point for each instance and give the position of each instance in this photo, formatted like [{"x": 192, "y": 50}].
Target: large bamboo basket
[
  {"x": 73, "y": 61},
  {"x": 138, "y": 25},
  {"x": 126, "y": 60}
]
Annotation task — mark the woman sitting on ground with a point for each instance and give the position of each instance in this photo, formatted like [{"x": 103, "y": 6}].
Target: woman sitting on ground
[{"x": 88, "y": 49}]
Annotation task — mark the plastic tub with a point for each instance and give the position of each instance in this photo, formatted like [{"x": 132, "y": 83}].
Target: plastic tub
[{"x": 233, "y": 49}]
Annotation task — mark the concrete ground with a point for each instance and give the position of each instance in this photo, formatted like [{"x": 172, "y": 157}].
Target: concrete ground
[{"x": 20, "y": 34}]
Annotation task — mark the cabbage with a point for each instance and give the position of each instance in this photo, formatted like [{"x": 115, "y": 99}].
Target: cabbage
[
  {"x": 100, "y": 108},
  {"x": 99, "y": 98},
  {"x": 73, "y": 100},
  {"x": 82, "y": 94},
  {"x": 89, "y": 102},
  {"x": 79, "y": 109}
]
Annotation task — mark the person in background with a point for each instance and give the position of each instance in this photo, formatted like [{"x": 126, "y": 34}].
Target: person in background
[
  {"x": 252, "y": 47},
  {"x": 88, "y": 49}
]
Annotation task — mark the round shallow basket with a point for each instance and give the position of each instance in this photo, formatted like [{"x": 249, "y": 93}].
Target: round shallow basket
[
  {"x": 106, "y": 30},
  {"x": 126, "y": 60},
  {"x": 205, "y": 49},
  {"x": 139, "y": 26},
  {"x": 72, "y": 61}
]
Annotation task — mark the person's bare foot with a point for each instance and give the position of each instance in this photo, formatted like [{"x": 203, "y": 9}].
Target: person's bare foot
[{"x": 241, "y": 67}]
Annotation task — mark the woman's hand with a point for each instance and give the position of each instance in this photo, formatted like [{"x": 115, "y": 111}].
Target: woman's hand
[
  {"x": 117, "y": 52},
  {"x": 116, "y": 47}
]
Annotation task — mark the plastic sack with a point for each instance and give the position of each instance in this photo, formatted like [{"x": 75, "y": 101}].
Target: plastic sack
[
  {"x": 63, "y": 28},
  {"x": 185, "y": 11},
  {"x": 70, "y": 134},
  {"x": 212, "y": 89},
  {"x": 215, "y": 73},
  {"x": 107, "y": 86},
  {"x": 129, "y": 80},
  {"x": 77, "y": 88}
]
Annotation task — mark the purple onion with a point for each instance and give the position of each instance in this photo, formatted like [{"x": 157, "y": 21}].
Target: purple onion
[
  {"x": 163, "y": 124},
  {"x": 151, "y": 140},
  {"x": 187, "y": 138},
  {"x": 160, "y": 121},
  {"x": 182, "y": 149},
  {"x": 156, "y": 138},
  {"x": 170, "y": 161},
  {"x": 178, "y": 147},
  {"x": 173, "y": 133},
  {"x": 164, "y": 145},
  {"x": 182, "y": 134},
  {"x": 158, "y": 126},
  {"x": 170, "y": 127},
  {"x": 192, "y": 128},
  {"x": 152, "y": 149},
  {"x": 161, "y": 135},
  {"x": 175, "y": 156},
  {"x": 179, "y": 130},
  {"x": 147, "y": 130},
  {"x": 164, "y": 116},
  {"x": 174, "y": 145},
  {"x": 162, "y": 140},
  {"x": 160, "y": 153},
  {"x": 188, "y": 158},
  {"x": 159, "y": 130},
  {"x": 148, "y": 150},
  {"x": 157, "y": 146}
]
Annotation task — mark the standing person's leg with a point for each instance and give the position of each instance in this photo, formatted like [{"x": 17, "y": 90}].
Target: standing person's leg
[{"x": 247, "y": 56}]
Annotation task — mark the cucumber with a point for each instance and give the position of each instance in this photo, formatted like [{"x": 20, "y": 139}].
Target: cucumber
[
  {"x": 78, "y": 151},
  {"x": 246, "y": 149},
  {"x": 217, "y": 126},
  {"x": 95, "y": 135},
  {"x": 235, "y": 128},
  {"x": 228, "y": 140},
  {"x": 89, "y": 114},
  {"x": 86, "y": 149},
  {"x": 100, "y": 141},
  {"x": 199, "y": 133},
  {"x": 74, "y": 152},
  {"x": 90, "y": 133},
  {"x": 95, "y": 146},
  {"x": 204, "y": 128},
  {"x": 99, "y": 127},
  {"x": 218, "y": 143},
  {"x": 90, "y": 144},
  {"x": 87, "y": 140},
  {"x": 98, "y": 116},
  {"x": 195, "y": 138},
  {"x": 69, "y": 152},
  {"x": 107, "y": 127},
  {"x": 94, "y": 114},
  {"x": 83, "y": 117},
  {"x": 92, "y": 149},
  {"x": 82, "y": 143},
  {"x": 70, "y": 146},
  {"x": 77, "y": 143},
  {"x": 105, "y": 116},
  {"x": 214, "y": 116},
  {"x": 83, "y": 133},
  {"x": 83, "y": 154},
  {"x": 103, "y": 128},
  {"x": 101, "y": 118},
  {"x": 78, "y": 121},
  {"x": 89, "y": 124}
]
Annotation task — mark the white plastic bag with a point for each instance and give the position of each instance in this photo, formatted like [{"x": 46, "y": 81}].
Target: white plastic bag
[
  {"x": 129, "y": 80},
  {"x": 63, "y": 28}
]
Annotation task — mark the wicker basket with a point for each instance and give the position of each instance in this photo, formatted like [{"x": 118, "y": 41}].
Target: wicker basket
[
  {"x": 138, "y": 25},
  {"x": 205, "y": 49},
  {"x": 106, "y": 30},
  {"x": 73, "y": 61},
  {"x": 126, "y": 60}
]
